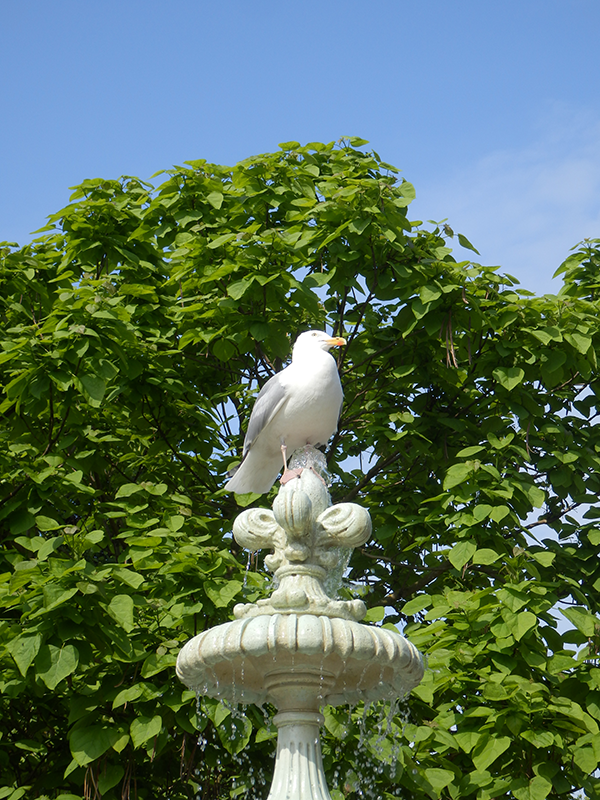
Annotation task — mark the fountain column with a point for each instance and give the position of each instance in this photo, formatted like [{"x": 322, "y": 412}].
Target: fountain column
[{"x": 298, "y": 773}]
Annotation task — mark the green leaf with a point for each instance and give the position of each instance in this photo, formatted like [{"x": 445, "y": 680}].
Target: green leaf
[
  {"x": 74, "y": 477},
  {"x": 234, "y": 733},
  {"x": 144, "y": 728},
  {"x": 464, "y": 242},
  {"x": 559, "y": 663},
  {"x": 513, "y": 598},
  {"x": 359, "y": 225},
  {"x": 155, "y": 663},
  {"x": 498, "y": 513},
  {"x": 129, "y": 695},
  {"x": 50, "y": 546},
  {"x": 260, "y": 331},
  {"x": 494, "y": 692},
  {"x": 509, "y": 377},
  {"x": 94, "y": 387},
  {"x": 89, "y": 743},
  {"x": 417, "y": 604},
  {"x": 128, "y": 576},
  {"x": 543, "y": 558},
  {"x": 539, "y": 739},
  {"x": 439, "y": 778},
  {"x": 542, "y": 336},
  {"x": 430, "y": 293},
  {"x": 537, "y": 496},
  {"x": 156, "y": 489},
  {"x": 582, "y": 619},
  {"x": 46, "y": 523},
  {"x": 468, "y": 452},
  {"x": 221, "y": 240},
  {"x": 215, "y": 199},
  {"x": 374, "y": 614},
  {"x": 461, "y": 554},
  {"x": 407, "y": 190},
  {"x": 143, "y": 691},
  {"x": 127, "y": 489},
  {"x": 54, "y": 664},
  {"x": 579, "y": 341},
  {"x": 121, "y": 742},
  {"x": 109, "y": 777},
  {"x": 524, "y": 622},
  {"x": 419, "y": 309},
  {"x": 238, "y": 289},
  {"x": 594, "y": 537},
  {"x": 467, "y": 739},
  {"x": 536, "y": 789},
  {"x": 175, "y": 522},
  {"x": 54, "y": 595},
  {"x": 223, "y": 349},
  {"x": 15, "y": 794},
  {"x": 21, "y": 521},
  {"x": 500, "y": 444},
  {"x": 318, "y": 278},
  {"x": 457, "y": 474},
  {"x": 488, "y": 749},
  {"x": 485, "y": 556},
  {"x": 336, "y": 725},
  {"x": 24, "y": 649},
  {"x": 222, "y": 595},
  {"x": 220, "y": 712},
  {"x": 586, "y": 759},
  {"x": 121, "y": 610}
]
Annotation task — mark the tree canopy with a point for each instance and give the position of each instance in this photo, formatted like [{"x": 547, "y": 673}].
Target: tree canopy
[{"x": 135, "y": 333}]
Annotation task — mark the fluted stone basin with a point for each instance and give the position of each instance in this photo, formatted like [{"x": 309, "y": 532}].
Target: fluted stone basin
[{"x": 244, "y": 660}]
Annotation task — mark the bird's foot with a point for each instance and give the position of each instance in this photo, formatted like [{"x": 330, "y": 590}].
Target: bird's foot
[
  {"x": 320, "y": 477},
  {"x": 289, "y": 475}
]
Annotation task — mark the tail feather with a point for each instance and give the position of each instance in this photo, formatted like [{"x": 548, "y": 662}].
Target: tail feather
[{"x": 255, "y": 477}]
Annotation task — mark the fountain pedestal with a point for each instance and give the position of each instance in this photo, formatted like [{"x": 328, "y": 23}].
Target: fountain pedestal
[
  {"x": 301, "y": 648},
  {"x": 298, "y": 773}
]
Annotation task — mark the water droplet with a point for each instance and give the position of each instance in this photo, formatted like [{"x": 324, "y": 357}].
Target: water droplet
[{"x": 251, "y": 555}]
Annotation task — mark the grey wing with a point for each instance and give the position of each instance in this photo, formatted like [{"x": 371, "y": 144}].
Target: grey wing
[{"x": 270, "y": 399}]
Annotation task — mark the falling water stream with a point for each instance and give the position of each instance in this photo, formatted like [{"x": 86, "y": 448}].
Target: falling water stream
[{"x": 371, "y": 756}]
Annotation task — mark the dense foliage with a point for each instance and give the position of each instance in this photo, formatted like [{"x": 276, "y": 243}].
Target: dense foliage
[{"x": 135, "y": 333}]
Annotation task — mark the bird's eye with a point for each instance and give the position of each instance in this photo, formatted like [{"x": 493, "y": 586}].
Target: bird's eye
[{"x": 315, "y": 334}]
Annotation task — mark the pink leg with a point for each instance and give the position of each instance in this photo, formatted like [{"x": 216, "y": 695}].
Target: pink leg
[
  {"x": 288, "y": 474},
  {"x": 320, "y": 477}
]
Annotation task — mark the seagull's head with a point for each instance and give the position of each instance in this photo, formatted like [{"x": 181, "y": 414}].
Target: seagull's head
[{"x": 316, "y": 340}]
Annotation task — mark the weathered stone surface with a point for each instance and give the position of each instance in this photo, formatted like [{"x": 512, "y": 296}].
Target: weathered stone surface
[
  {"x": 311, "y": 542},
  {"x": 234, "y": 661},
  {"x": 301, "y": 648}
]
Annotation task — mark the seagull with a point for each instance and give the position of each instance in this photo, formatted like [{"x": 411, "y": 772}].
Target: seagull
[{"x": 298, "y": 406}]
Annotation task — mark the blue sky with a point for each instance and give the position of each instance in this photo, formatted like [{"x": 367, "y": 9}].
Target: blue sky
[{"x": 491, "y": 109}]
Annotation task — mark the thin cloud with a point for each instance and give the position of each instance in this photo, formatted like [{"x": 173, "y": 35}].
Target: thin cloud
[{"x": 524, "y": 209}]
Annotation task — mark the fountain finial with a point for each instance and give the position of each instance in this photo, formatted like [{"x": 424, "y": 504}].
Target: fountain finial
[{"x": 311, "y": 540}]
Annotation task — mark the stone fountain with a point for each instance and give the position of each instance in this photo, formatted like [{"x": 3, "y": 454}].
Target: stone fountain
[{"x": 301, "y": 648}]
